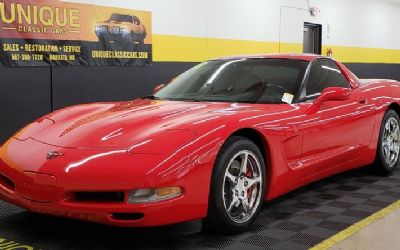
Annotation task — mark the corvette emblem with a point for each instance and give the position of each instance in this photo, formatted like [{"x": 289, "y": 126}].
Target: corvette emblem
[{"x": 53, "y": 154}]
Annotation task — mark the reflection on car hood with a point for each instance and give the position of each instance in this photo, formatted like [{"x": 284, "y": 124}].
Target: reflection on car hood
[{"x": 124, "y": 124}]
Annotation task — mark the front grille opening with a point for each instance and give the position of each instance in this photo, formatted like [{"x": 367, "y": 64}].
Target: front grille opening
[
  {"x": 128, "y": 216},
  {"x": 101, "y": 197},
  {"x": 7, "y": 183}
]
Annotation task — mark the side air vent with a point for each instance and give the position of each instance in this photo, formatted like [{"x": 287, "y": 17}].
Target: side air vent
[
  {"x": 100, "y": 197},
  {"x": 128, "y": 216},
  {"x": 6, "y": 183}
]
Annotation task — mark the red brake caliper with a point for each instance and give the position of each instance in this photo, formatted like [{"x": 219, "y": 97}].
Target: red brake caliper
[{"x": 249, "y": 174}]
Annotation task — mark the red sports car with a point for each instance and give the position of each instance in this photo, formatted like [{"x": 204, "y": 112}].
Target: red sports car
[{"x": 213, "y": 144}]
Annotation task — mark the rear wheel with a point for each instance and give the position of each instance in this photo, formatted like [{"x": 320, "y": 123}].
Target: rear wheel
[
  {"x": 237, "y": 186},
  {"x": 387, "y": 158},
  {"x": 143, "y": 37}
]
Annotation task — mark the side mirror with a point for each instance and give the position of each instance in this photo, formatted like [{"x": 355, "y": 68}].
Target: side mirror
[
  {"x": 334, "y": 94},
  {"x": 330, "y": 94},
  {"x": 158, "y": 88}
]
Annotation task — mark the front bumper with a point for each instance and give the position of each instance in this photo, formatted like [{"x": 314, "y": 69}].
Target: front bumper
[
  {"x": 112, "y": 33},
  {"x": 114, "y": 37},
  {"x": 156, "y": 214},
  {"x": 47, "y": 186}
]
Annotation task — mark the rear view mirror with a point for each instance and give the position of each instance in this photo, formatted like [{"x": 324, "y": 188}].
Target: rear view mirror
[
  {"x": 330, "y": 94},
  {"x": 158, "y": 88}
]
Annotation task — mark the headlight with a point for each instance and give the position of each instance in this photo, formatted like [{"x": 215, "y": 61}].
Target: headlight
[
  {"x": 124, "y": 31},
  {"x": 98, "y": 29},
  {"x": 147, "y": 195}
]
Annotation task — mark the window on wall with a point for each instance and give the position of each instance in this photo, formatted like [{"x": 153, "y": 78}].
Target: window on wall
[{"x": 312, "y": 38}]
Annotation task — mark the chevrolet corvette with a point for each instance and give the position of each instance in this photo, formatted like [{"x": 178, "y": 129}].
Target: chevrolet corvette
[{"x": 212, "y": 145}]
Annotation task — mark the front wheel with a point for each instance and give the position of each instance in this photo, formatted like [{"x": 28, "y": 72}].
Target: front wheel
[
  {"x": 237, "y": 186},
  {"x": 104, "y": 41},
  {"x": 387, "y": 158}
]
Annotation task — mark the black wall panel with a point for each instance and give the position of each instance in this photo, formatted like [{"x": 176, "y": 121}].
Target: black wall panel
[
  {"x": 375, "y": 70},
  {"x": 72, "y": 85},
  {"x": 27, "y": 93},
  {"x": 24, "y": 96}
]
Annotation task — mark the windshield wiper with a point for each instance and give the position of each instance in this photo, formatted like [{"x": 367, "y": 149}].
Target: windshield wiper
[
  {"x": 187, "y": 99},
  {"x": 152, "y": 97}
]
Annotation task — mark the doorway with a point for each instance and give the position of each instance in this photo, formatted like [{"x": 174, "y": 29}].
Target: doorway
[{"x": 312, "y": 38}]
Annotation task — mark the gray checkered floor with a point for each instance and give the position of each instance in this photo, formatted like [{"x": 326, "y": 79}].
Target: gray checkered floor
[{"x": 298, "y": 220}]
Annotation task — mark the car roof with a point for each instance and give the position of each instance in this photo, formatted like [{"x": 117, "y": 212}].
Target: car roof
[{"x": 299, "y": 56}]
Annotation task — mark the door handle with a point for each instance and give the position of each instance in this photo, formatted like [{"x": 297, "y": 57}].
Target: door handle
[{"x": 362, "y": 100}]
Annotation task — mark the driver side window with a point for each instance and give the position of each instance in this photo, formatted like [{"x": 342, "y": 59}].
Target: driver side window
[
  {"x": 324, "y": 73},
  {"x": 136, "y": 20}
]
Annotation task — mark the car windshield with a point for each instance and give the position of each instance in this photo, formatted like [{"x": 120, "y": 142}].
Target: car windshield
[
  {"x": 271, "y": 81},
  {"x": 121, "y": 18}
]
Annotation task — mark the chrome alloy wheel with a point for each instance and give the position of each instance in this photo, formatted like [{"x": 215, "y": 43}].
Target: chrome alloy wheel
[
  {"x": 391, "y": 141},
  {"x": 242, "y": 186}
]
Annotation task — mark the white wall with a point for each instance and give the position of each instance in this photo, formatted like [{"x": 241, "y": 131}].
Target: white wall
[{"x": 355, "y": 23}]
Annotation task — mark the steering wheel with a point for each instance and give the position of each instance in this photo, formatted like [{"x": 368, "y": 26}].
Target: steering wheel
[{"x": 272, "y": 93}]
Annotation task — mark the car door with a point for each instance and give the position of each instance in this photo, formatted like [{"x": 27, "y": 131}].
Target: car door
[{"x": 336, "y": 136}]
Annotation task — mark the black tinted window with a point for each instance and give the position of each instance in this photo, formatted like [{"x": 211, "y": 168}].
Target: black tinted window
[
  {"x": 136, "y": 20},
  {"x": 121, "y": 18},
  {"x": 323, "y": 74},
  {"x": 241, "y": 80}
]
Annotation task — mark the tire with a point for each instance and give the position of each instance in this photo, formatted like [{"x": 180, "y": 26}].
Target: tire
[
  {"x": 230, "y": 189},
  {"x": 387, "y": 157},
  {"x": 104, "y": 42},
  {"x": 141, "y": 41}
]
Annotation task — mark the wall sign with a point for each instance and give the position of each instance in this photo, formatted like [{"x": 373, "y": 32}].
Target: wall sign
[{"x": 60, "y": 33}]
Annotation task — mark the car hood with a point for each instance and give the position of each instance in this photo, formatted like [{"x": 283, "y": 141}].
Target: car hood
[{"x": 125, "y": 124}]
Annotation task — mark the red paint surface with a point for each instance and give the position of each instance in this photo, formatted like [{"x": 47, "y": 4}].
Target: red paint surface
[{"x": 123, "y": 146}]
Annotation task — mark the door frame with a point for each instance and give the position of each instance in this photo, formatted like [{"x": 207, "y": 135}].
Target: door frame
[{"x": 318, "y": 38}]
